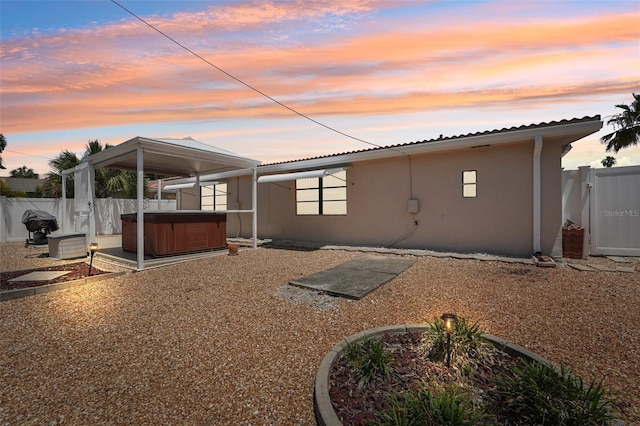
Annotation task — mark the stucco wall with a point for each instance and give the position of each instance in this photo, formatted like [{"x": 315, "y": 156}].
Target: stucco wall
[
  {"x": 498, "y": 220},
  {"x": 551, "y": 197}
]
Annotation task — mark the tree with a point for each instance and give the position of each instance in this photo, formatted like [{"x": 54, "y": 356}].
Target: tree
[
  {"x": 3, "y": 145},
  {"x": 108, "y": 182},
  {"x": 52, "y": 186},
  {"x": 626, "y": 127},
  {"x": 608, "y": 161},
  {"x": 24, "y": 172}
]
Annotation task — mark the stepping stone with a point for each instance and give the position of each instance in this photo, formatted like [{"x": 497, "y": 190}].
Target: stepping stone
[
  {"x": 40, "y": 276},
  {"x": 356, "y": 278},
  {"x": 601, "y": 268},
  {"x": 625, "y": 269},
  {"x": 580, "y": 267},
  {"x": 618, "y": 259}
]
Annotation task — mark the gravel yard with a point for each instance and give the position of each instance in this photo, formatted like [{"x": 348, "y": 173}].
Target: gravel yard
[{"x": 224, "y": 341}]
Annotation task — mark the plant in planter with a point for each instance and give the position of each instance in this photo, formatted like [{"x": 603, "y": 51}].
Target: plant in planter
[
  {"x": 536, "y": 393},
  {"x": 400, "y": 378},
  {"x": 370, "y": 358}
]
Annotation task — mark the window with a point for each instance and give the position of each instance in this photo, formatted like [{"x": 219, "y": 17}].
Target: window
[
  {"x": 469, "y": 184},
  {"x": 322, "y": 196},
  {"x": 213, "y": 197}
]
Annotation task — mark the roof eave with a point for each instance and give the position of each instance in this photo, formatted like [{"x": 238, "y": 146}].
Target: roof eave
[{"x": 575, "y": 131}]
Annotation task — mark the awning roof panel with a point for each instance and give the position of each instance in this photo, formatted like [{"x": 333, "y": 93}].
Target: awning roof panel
[{"x": 176, "y": 157}]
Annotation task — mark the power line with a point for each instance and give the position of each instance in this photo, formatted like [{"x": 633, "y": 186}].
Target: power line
[
  {"x": 24, "y": 153},
  {"x": 241, "y": 81}
]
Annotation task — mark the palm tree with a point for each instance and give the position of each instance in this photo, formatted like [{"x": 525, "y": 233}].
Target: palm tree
[
  {"x": 24, "y": 172},
  {"x": 109, "y": 182},
  {"x": 609, "y": 161},
  {"x": 626, "y": 126},
  {"x": 3, "y": 145},
  {"x": 53, "y": 182}
]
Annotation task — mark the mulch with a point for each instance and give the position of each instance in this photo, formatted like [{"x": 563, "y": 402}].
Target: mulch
[{"x": 76, "y": 271}]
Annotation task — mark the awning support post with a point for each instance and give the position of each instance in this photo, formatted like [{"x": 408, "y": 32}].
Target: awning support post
[{"x": 140, "y": 207}]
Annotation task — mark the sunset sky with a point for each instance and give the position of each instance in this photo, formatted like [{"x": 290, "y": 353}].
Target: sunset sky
[{"x": 387, "y": 72}]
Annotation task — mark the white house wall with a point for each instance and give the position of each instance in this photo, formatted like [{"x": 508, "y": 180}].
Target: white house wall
[{"x": 498, "y": 220}]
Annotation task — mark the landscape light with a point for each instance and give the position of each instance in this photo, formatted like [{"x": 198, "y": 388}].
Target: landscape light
[
  {"x": 93, "y": 247},
  {"x": 449, "y": 323}
]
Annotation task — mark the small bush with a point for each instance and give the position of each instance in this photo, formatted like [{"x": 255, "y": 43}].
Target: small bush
[
  {"x": 370, "y": 358},
  {"x": 466, "y": 339},
  {"x": 451, "y": 406},
  {"x": 536, "y": 393}
]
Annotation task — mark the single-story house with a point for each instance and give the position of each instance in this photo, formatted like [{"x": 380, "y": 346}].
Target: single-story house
[
  {"x": 26, "y": 186},
  {"x": 498, "y": 191}
]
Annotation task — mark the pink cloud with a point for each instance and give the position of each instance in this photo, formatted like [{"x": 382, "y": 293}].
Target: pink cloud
[{"x": 125, "y": 73}]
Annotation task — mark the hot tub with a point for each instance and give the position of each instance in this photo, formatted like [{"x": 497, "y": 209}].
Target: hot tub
[{"x": 175, "y": 232}]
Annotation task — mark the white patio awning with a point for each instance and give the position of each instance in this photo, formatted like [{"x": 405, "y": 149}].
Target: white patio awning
[{"x": 299, "y": 175}]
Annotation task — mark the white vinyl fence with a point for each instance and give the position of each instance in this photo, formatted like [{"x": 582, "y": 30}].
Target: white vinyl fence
[
  {"x": 606, "y": 203},
  {"x": 107, "y": 213}
]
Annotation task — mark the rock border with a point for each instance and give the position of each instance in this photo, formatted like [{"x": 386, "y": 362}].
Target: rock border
[
  {"x": 322, "y": 407},
  {"x": 33, "y": 291}
]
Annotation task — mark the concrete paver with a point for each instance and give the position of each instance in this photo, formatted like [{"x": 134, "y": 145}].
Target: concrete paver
[
  {"x": 580, "y": 267},
  {"x": 618, "y": 259},
  {"x": 600, "y": 268},
  {"x": 40, "y": 276}
]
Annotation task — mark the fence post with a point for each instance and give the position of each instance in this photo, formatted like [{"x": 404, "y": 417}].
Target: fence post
[
  {"x": 3, "y": 219},
  {"x": 585, "y": 207}
]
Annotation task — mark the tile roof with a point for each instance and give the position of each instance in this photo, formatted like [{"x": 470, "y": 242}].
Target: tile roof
[{"x": 450, "y": 138}]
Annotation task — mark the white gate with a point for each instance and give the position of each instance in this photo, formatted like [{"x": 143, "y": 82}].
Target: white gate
[
  {"x": 606, "y": 203},
  {"x": 615, "y": 211}
]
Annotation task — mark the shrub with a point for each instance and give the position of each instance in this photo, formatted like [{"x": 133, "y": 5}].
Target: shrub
[
  {"x": 536, "y": 393},
  {"x": 451, "y": 406},
  {"x": 466, "y": 340},
  {"x": 370, "y": 358}
]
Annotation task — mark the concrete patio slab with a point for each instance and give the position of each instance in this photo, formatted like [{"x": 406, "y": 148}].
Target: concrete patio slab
[
  {"x": 356, "y": 278},
  {"x": 40, "y": 276}
]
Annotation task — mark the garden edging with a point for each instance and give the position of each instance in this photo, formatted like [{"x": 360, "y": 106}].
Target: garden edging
[
  {"x": 323, "y": 409},
  {"x": 32, "y": 291}
]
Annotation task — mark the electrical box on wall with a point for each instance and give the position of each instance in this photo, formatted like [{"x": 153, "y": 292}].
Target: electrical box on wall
[{"x": 413, "y": 206}]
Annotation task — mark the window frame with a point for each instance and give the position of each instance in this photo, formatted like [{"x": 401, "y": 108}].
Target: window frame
[
  {"x": 216, "y": 193},
  {"x": 322, "y": 188},
  {"x": 469, "y": 183}
]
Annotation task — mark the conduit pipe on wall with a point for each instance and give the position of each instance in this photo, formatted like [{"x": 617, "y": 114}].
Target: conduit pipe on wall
[{"x": 537, "y": 150}]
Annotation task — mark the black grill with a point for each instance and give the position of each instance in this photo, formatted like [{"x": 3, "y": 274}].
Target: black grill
[{"x": 40, "y": 223}]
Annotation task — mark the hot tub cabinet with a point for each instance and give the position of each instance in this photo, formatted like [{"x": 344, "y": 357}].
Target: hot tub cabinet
[{"x": 175, "y": 232}]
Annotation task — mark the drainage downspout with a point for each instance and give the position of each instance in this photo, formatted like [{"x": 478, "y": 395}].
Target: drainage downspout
[
  {"x": 254, "y": 208},
  {"x": 537, "y": 150}
]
